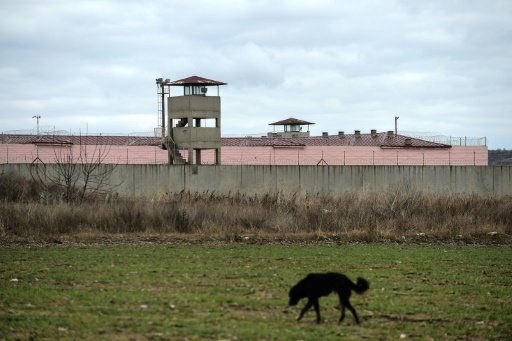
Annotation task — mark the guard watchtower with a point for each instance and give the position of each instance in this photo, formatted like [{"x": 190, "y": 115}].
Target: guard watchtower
[
  {"x": 292, "y": 127},
  {"x": 194, "y": 120}
]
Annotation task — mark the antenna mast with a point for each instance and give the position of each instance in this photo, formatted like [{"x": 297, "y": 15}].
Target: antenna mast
[{"x": 162, "y": 87}]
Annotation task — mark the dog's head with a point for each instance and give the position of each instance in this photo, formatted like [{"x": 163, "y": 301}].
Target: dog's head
[
  {"x": 293, "y": 301},
  {"x": 294, "y": 297}
]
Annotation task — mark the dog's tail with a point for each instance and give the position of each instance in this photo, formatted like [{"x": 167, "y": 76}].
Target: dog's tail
[{"x": 361, "y": 286}]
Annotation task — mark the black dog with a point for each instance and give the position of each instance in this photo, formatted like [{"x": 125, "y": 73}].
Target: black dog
[{"x": 317, "y": 285}]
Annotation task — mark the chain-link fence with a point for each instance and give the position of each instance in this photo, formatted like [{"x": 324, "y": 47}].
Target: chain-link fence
[{"x": 453, "y": 140}]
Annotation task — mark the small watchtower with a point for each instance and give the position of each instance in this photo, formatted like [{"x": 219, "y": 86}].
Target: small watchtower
[
  {"x": 292, "y": 127},
  {"x": 194, "y": 120}
]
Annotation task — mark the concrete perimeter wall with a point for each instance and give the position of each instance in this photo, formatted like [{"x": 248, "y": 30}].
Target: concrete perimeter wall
[{"x": 151, "y": 180}]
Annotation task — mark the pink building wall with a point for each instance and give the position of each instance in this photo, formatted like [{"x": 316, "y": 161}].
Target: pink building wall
[
  {"x": 28, "y": 153},
  {"x": 264, "y": 155},
  {"x": 343, "y": 155}
]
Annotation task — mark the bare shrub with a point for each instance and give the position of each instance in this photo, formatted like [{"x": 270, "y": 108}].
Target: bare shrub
[
  {"x": 76, "y": 177},
  {"x": 14, "y": 188}
]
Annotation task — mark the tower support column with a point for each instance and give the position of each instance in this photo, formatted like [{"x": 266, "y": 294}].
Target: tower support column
[
  {"x": 190, "y": 156},
  {"x": 198, "y": 156},
  {"x": 217, "y": 156}
]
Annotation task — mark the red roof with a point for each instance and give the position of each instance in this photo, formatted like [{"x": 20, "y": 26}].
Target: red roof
[
  {"x": 290, "y": 121},
  {"x": 85, "y": 140},
  {"x": 382, "y": 140},
  {"x": 195, "y": 80},
  {"x": 260, "y": 142}
]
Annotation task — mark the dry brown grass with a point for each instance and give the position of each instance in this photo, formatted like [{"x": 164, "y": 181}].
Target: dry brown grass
[{"x": 364, "y": 215}]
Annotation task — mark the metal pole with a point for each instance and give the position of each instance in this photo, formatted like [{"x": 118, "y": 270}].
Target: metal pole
[
  {"x": 396, "y": 125},
  {"x": 37, "y": 117},
  {"x": 163, "y": 109}
]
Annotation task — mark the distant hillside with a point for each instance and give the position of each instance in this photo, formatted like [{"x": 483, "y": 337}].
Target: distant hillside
[{"x": 500, "y": 157}]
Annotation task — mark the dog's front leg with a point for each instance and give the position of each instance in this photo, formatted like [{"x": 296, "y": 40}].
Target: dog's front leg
[
  {"x": 306, "y": 308},
  {"x": 317, "y": 309}
]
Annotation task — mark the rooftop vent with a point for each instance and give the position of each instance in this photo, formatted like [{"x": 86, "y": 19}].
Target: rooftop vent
[
  {"x": 374, "y": 132},
  {"x": 325, "y": 134},
  {"x": 391, "y": 133},
  {"x": 341, "y": 133},
  {"x": 408, "y": 141},
  {"x": 357, "y": 132}
]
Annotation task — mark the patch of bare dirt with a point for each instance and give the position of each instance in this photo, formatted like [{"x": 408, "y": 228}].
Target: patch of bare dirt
[{"x": 256, "y": 238}]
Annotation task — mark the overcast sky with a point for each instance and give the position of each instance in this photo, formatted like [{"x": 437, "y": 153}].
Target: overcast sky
[{"x": 443, "y": 67}]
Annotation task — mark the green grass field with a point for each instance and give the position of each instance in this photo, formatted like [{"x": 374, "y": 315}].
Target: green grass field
[{"x": 239, "y": 292}]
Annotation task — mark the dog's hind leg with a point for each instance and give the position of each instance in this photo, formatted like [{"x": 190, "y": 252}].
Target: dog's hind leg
[
  {"x": 342, "y": 299},
  {"x": 342, "y": 308},
  {"x": 347, "y": 304},
  {"x": 306, "y": 308}
]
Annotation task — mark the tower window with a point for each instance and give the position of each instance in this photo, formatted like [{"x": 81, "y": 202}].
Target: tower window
[{"x": 197, "y": 90}]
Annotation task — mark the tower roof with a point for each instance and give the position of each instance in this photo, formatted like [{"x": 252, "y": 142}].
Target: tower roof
[
  {"x": 195, "y": 80},
  {"x": 290, "y": 121}
]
